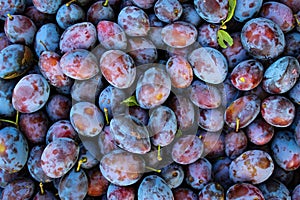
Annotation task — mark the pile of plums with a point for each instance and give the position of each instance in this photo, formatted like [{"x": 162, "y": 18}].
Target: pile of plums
[{"x": 150, "y": 99}]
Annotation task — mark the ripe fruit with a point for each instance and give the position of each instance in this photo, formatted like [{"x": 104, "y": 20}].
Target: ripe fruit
[
  {"x": 262, "y": 38},
  {"x": 59, "y": 157},
  {"x": 122, "y": 168},
  {"x": 31, "y": 93},
  {"x": 19, "y": 29},
  {"x": 13, "y": 149}
]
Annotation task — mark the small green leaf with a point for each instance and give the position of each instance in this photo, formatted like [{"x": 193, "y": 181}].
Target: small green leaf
[
  {"x": 179, "y": 133},
  {"x": 232, "y": 5},
  {"x": 131, "y": 101},
  {"x": 223, "y": 37}
]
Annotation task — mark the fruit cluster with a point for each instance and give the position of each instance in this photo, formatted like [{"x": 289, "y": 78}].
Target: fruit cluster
[{"x": 156, "y": 99}]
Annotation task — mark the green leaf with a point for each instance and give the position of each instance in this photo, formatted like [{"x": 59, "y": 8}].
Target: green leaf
[
  {"x": 232, "y": 5},
  {"x": 179, "y": 133},
  {"x": 131, "y": 101},
  {"x": 223, "y": 37}
]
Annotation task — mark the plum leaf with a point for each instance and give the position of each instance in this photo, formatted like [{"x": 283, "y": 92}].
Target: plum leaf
[
  {"x": 223, "y": 37},
  {"x": 131, "y": 101}
]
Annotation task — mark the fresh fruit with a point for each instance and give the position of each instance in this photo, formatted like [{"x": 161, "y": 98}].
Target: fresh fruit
[
  {"x": 130, "y": 136},
  {"x": 253, "y": 166},
  {"x": 153, "y": 88},
  {"x": 24, "y": 192},
  {"x": 163, "y": 126},
  {"x": 122, "y": 168},
  {"x": 179, "y": 34},
  {"x": 69, "y": 14},
  {"x": 47, "y": 6},
  {"x": 247, "y": 75},
  {"x": 120, "y": 192},
  {"x": 14, "y": 150},
  {"x": 86, "y": 119},
  {"x": 31, "y": 93},
  {"x": 47, "y": 39},
  {"x": 187, "y": 149},
  {"x": 209, "y": 65},
  {"x": 59, "y": 157},
  {"x": 262, "y": 38},
  {"x": 15, "y": 60},
  {"x": 19, "y": 29},
  {"x": 285, "y": 150},
  {"x": 34, "y": 126},
  {"x": 34, "y": 165},
  {"x": 134, "y": 21},
  {"x": 278, "y": 111},
  {"x": 199, "y": 173},
  {"x": 154, "y": 187},
  {"x": 118, "y": 68},
  {"x": 244, "y": 191},
  {"x": 242, "y": 111},
  {"x": 173, "y": 174},
  {"x": 73, "y": 185},
  {"x": 79, "y": 64},
  {"x": 212, "y": 11},
  {"x": 81, "y": 35},
  {"x": 246, "y": 9},
  {"x": 282, "y": 75},
  {"x": 156, "y": 99}
]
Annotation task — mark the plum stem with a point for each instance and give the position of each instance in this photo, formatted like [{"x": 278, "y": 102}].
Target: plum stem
[
  {"x": 17, "y": 119},
  {"x": 105, "y": 4},
  {"x": 80, "y": 162},
  {"x": 106, "y": 115},
  {"x": 152, "y": 169},
  {"x": 10, "y": 17},
  {"x": 44, "y": 45},
  {"x": 237, "y": 127},
  {"x": 16, "y": 122},
  {"x": 7, "y": 121},
  {"x": 70, "y": 2},
  {"x": 158, "y": 153},
  {"x": 297, "y": 20},
  {"x": 42, "y": 188}
]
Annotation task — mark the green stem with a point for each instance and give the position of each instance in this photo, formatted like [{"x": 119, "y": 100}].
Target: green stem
[
  {"x": 152, "y": 169},
  {"x": 105, "y": 4},
  {"x": 80, "y": 162},
  {"x": 70, "y": 2}
]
